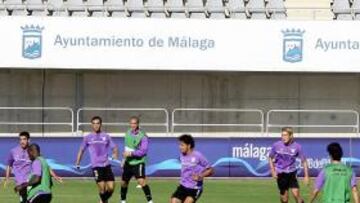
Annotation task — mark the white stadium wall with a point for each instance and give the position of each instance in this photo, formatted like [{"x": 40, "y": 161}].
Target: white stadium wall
[
  {"x": 173, "y": 89},
  {"x": 177, "y": 63},
  {"x": 179, "y": 44}
]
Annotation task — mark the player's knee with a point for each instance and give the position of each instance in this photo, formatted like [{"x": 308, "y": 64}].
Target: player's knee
[
  {"x": 189, "y": 200},
  {"x": 284, "y": 198},
  {"x": 124, "y": 184},
  {"x": 174, "y": 200},
  {"x": 110, "y": 190},
  {"x": 296, "y": 194},
  {"x": 142, "y": 182}
]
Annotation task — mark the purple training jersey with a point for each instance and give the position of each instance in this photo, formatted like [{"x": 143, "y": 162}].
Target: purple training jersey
[
  {"x": 143, "y": 146},
  {"x": 36, "y": 168},
  {"x": 285, "y": 156},
  {"x": 192, "y": 164},
  {"x": 20, "y": 163},
  {"x": 99, "y": 145}
]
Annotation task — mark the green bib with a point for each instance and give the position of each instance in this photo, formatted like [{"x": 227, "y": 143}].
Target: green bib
[
  {"x": 46, "y": 182},
  {"x": 337, "y": 187},
  {"x": 132, "y": 143}
]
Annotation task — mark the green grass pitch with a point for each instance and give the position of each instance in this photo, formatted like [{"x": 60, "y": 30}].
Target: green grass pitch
[{"x": 216, "y": 191}]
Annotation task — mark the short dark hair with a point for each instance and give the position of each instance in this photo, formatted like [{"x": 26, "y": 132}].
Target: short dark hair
[
  {"x": 35, "y": 146},
  {"x": 96, "y": 118},
  {"x": 187, "y": 139},
  {"x": 24, "y": 134},
  {"x": 135, "y": 118},
  {"x": 335, "y": 151}
]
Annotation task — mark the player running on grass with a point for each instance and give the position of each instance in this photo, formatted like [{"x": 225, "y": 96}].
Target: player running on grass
[
  {"x": 136, "y": 147},
  {"x": 282, "y": 159},
  {"x": 19, "y": 164},
  {"x": 337, "y": 181},
  {"x": 194, "y": 168},
  {"x": 99, "y": 144},
  {"x": 39, "y": 185}
]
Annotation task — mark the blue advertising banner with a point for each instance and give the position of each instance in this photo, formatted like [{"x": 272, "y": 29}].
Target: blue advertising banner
[{"x": 231, "y": 157}]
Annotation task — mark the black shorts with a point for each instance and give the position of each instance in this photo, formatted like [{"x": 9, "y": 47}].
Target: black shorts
[
  {"x": 286, "y": 181},
  {"x": 138, "y": 171},
  {"x": 182, "y": 193},
  {"x": 103, "y": 174},
  {"x": 44, "y": 198}
]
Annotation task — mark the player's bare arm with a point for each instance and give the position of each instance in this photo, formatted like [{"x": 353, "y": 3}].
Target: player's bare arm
[
  {"x": 355, "y": 194},
  {"x": 306, "y": 172},
  {"x": 7, "y": 175},
  {"x": 314, "y": 195},
  {"x": 208, "y": 172},
  {"x": 79, "y": 157},
  {"x": 272, "y": 168}
]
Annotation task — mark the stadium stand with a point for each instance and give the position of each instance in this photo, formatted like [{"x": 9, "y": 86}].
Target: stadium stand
[
  {"x": 341, "y": 10},
  {"x": 218, "y": 9}
]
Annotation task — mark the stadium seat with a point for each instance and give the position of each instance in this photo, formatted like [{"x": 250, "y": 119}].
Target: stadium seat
[
  {"x": 96, "y": 8},
  {"x": 217, "y": 15},
  {"x": 155, "y": 8},
  {"x": 197, "y": 15},
  {"x": 341, "y": 9},
  {"x": 16, "y": 7},
  {"x": 215, "y": 9},
  {"x": 57, "y": 8},
  {"x": 36, "y": 8},
  {"x": 258, "y": 16},
  {"x": 195, "y": 8},
  {"x": 356, "y": 8},
  {"x": 176, "y": 15},
  {"x": 135, "y": 8},
  {"x": 76, "y": 8},
  {"x": 276, "y": 9},
  {"x": 235, "y": 9},
  {"x": 344, "y": 17},
  {"x": 115, "y": 8},
  {"x": 256, "y": 9},
  {"x": 175, "y": 9},
  {"x": 278, "y": 16},
  {"x": 3, "y": 11}
]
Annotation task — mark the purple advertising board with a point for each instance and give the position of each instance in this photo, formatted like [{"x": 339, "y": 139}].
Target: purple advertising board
[{"x": 231, "y": 157}]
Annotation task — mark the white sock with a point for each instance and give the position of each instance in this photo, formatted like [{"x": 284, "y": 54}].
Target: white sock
[
  {"x": 122, "y": 201},
  {"x": 150, "y": 201}
]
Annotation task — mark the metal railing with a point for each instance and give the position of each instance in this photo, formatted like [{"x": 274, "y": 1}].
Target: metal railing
[
  {"x": 164, "y": 111},
  {"x": 17, "y": 123},
  {"x": 354, "y": 126},
  {"x": 261, "y": 121},
  {"x": 256, "y": 111}
]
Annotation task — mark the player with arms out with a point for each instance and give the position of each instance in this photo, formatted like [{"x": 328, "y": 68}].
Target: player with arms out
[
  {"x": 99, "y": 144},
  {"x": 282, "y": 159},
  {"x": 194, "y": 168},
  {"x": 337, "y": 181}
]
